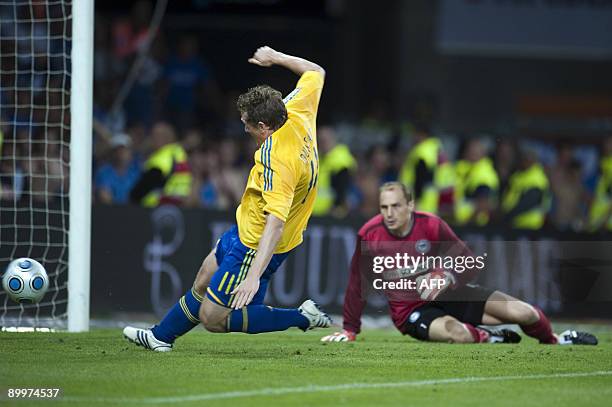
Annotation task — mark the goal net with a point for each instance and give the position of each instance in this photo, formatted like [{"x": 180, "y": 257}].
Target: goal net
[{"x": 37, "y": 75}]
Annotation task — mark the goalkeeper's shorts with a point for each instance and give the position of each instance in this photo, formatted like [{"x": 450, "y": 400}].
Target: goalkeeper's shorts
[
  {"x": 234, "y": 260},
  {"x": 466, "y": 303}
]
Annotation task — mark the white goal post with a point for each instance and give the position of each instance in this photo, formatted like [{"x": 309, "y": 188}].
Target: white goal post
[{"x": 81, "y": 108}]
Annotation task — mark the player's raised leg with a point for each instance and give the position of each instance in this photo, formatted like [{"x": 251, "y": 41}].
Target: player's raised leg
[
  {"x": 503, "y": 308},
  {"x": 181, "y": 318},
  {"x": 217, "y": 315},
  {"x": 259, "y": 318}
]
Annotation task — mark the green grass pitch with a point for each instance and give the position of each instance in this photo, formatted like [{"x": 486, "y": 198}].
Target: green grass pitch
[{"x": 382, "y": 368}]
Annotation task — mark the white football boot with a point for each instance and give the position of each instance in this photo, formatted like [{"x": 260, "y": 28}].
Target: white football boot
[
  {"x": 146, "y": 339},
  {"x": 316, "y": 316}
]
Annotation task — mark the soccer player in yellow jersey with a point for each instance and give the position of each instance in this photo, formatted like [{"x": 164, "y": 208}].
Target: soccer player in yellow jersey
[{"x": 230, "y": 286}]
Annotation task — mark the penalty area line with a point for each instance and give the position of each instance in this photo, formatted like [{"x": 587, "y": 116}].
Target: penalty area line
[{"x": 271, "y": 391}]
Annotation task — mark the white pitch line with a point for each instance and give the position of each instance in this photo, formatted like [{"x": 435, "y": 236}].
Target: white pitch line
[{"x": 316, "y": 388}]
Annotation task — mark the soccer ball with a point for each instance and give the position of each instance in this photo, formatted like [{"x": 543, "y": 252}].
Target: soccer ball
[{"x": 25, "y": 280}]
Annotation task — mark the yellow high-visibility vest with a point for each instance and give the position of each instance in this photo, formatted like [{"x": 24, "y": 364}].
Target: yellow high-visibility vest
[
  {"x": 519, "y": 183},
  {"x": 171, "y": 160},
  {"x": 468, "y": 177},
  {"x": 428, "y": 151},
  {"x": 334, "y": 161},
  {"x": 602, "y": 201}
]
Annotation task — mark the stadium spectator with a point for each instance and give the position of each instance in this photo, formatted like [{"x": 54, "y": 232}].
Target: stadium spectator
[
  {"x": 600, "y": 218},
  {"x": 113, "y": 120},
  {"x": 380, "y": 163},
  {"x": 48, "y": 169},
  {"x": 188, "y": 81},
  {"x": 115, "y": 179},
  {"x": 22, "y": 112},
  {"x": 230, "y": 127},
  {"x": 141, "y": 103},
  {"x": 230, "y": 178},
  {"x": 204, "y": 192},
  {"x": 428, "y": 172},
  {"x": 505, "y": 162},
  {"x": 526, "y": 201},
  {"x": 167, "y": 177},
  {"x": 569, "y": 193},
  {"x": 193, "y": 139},
  {"x": 105, "y": 64},
  {"x": 218, "y": 179},
  {"x": 13, "y": 180},
  {"x": 130, "y": 33},
  {"x": 373, "y": 170},
  {"x": 118, "y": 51},
  {"x": 138, "y": 134},
  {"x": 336, "y": 168},
  {"x": 476, "y": 186},
  {"x": 367, "y": 186},
  {"x": 53, "y": 96}
]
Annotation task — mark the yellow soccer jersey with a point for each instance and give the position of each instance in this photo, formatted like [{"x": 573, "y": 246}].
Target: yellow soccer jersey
[{"x": 283, "y": 181}]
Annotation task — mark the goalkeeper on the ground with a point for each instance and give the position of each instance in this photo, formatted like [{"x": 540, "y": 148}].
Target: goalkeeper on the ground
[{"x": 439, "y": 304}]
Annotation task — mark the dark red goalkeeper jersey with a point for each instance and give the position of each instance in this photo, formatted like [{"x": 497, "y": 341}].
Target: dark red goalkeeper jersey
[{"x": 429, "y": 236}]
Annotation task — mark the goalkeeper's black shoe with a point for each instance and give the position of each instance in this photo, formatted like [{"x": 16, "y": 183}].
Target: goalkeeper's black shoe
[
  {"x": 571, "y": 337},
  {"x": 502, "y": 336}
]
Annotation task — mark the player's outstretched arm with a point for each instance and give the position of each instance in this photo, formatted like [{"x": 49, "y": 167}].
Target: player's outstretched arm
[{"x": 266, "y": 56}]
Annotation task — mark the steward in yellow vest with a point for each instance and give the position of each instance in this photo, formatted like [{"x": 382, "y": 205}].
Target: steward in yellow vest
[
  {"x": 336, "y": 167},
  {"x": 601, "y": 208},
  {"x": 476, "y": 186},
  {"x": 427, "y": 171},
  {"x": 527, "y": 198},
  {"x": 167, "y": 178}
]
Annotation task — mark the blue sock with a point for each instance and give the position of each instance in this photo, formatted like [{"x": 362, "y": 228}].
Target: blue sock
[
  {"x": 181, "y": 318},
  {"x": 256, "y": 319}
]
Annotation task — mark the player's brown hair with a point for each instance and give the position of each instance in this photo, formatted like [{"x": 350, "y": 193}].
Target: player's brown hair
[
  {"x": 397, "y": 185},
  {"x": 263, "y": 104}
]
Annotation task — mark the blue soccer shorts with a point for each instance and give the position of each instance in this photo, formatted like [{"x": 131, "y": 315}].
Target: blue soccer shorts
[{"x": 234, "y": 261}]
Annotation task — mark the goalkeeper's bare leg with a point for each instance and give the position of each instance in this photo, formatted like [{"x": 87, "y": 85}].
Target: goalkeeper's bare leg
[
  {"x": 456, "y": 317},
  {"x": 449, "y": 329},
  {"x": 181, "y": 318},
  {"x": 502, "y": 308}
]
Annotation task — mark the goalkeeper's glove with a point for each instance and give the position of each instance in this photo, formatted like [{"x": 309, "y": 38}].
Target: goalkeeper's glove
[
  {"x": 431, "y": 285},
  {"x": 344, "y": 336}
]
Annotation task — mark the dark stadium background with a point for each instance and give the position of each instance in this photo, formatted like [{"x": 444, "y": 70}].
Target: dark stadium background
[
  {"x": 387, "y": 66},
  {"x": 386, "y": 51}
]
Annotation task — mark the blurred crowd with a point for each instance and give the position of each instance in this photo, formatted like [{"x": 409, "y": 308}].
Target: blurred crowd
[
  {"x": 475, "y": 181},
  {"x": 174, "y": 136}
]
